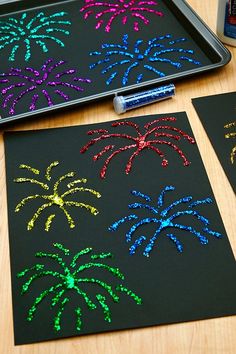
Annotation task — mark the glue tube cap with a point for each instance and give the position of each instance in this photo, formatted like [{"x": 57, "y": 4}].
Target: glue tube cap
[
  {"x": 124, "y": 103},
  {"x": 119, "y": 104}
]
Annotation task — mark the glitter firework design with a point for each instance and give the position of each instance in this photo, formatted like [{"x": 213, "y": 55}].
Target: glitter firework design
[
  {"x": 68, "y": 278},
  {"x": 164, "y": 217},
  {"x": 51, "y": 79},
  {"x": 156, "y": 132},
  {"x": 28, "y": 30},
  {"x": 55, "y": 198},
  {"x": 108, "y": 12},
  {"x": 231, "y": 135},
  {"x": 151, "y": 56}
]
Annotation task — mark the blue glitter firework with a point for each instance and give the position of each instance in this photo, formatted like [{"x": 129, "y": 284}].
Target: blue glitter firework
[
  {"x": 164, "y": 220},
  {"x": 141, "y": 57},
  {"x": 15, "y": 33}
]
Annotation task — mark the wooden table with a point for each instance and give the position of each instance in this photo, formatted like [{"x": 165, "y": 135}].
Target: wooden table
[{"x": 208, "y": 336}]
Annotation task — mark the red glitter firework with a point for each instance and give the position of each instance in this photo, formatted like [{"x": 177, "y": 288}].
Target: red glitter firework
[{"x": 140, "y": 142}]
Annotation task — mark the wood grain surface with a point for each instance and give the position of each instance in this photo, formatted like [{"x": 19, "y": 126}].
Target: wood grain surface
[{"x": 215, "y": 336}]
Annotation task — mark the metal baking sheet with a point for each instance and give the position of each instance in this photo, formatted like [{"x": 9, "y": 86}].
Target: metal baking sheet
[{"x": 61, "y": 54}]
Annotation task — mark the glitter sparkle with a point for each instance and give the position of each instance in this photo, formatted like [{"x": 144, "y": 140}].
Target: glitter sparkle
[
  {"x": 56, "y": 198},
  {"x": 155, "y": 133},
  {"x": 109, "y": 12},
  {"x": 28, "y": 31},
  {"x": 164, "y": 217},
  {"x": 152, "y": 56},
  {"x": 52, "y": 79},
  {"x": 67, "y": 278}
]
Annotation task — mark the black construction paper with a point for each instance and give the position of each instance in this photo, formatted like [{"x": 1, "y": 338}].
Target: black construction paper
[
  {"x": 71, "y": 48},
  {"x": 218, "y": 116},
  {"x": 175, "y": 283}
]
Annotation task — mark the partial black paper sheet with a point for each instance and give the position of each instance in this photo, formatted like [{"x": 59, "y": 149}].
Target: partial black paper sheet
[
  {"x": 113, "y": 226},
  {"x": 218, "y": 116}
]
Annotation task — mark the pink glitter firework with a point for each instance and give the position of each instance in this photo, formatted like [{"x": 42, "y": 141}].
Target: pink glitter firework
[
  {"x": 106, "y": 12},
  {"x": 161, "y": 134}
]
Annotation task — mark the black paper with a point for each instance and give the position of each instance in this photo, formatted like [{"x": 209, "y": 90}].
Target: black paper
[
  {"x": 197, "y": 283},
  {"x": 216, "y": 113}
]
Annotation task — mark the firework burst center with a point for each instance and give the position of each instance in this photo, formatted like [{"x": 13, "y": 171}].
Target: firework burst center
[
  {"x": 140, "y": 57},
  {"x": 142, "y": 143},
  {"x": 69, "y": 281},
  {"x": 57, "y": 200}
]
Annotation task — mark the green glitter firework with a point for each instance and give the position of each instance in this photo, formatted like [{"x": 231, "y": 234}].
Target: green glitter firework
[
  {"x": 26, "y": 30},
  {"x": 54, "y": 198},
  {"x": 66, "y": 280}
]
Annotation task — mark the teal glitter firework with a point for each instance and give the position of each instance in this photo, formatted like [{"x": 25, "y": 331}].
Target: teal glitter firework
[
  {"x": 66, "y": 279},
  {"x": 27, "y": 30}
]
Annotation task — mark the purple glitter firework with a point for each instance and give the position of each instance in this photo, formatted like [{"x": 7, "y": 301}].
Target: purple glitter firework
[
  {"x": 106, "y": 12},
  {"x": 165, "y": 218},
  {"x": 19, "y": 83},
  {"x": 141, "y": 57}
]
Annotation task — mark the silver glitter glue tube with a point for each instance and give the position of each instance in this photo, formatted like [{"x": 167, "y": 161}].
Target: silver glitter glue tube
[{"x": 125, "y": 103}]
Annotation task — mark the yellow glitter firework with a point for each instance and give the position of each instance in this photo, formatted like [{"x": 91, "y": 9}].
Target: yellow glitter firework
[
  {"x": 231, "y": 135},
  {"x": 54, "y": 198}
]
